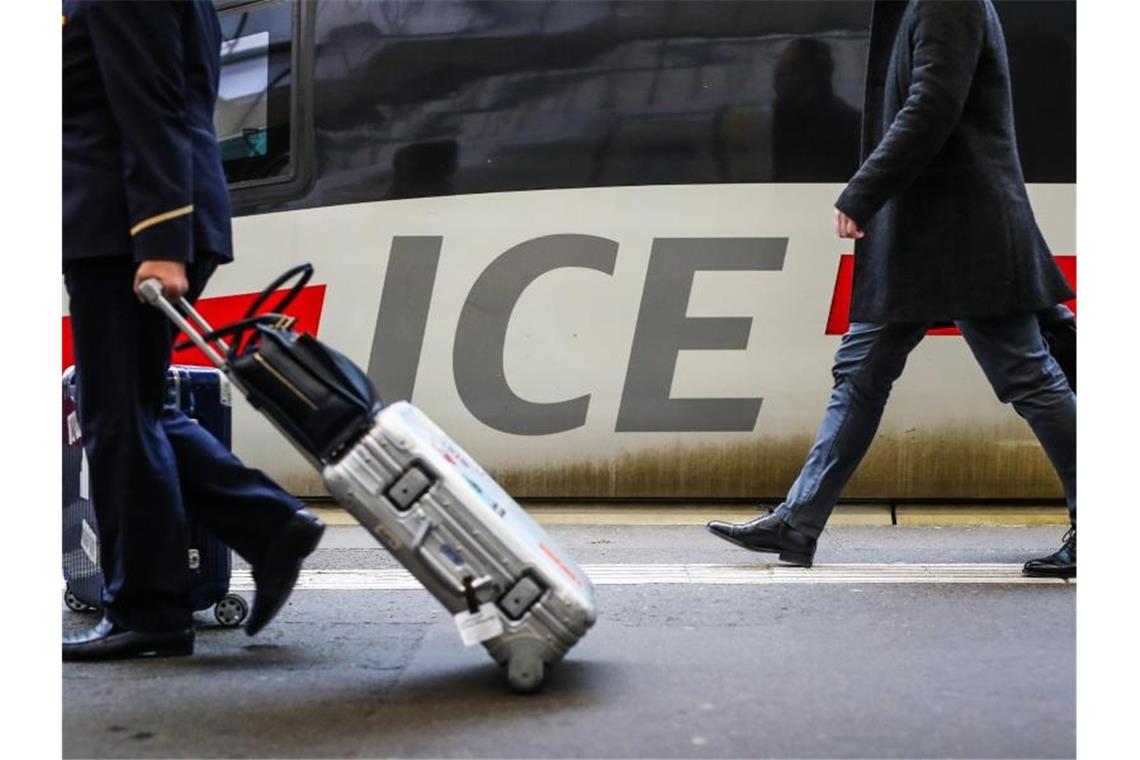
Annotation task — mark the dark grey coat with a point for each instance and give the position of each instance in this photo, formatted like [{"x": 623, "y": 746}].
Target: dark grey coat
[{"x": 940, "y": 194}]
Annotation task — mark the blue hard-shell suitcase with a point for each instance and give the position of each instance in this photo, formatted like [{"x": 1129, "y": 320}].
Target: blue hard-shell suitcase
[{"x": 203, "y": 394}]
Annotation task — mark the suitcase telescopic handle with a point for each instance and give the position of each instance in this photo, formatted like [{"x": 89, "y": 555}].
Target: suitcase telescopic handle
[{"x": 187, "y": 318}]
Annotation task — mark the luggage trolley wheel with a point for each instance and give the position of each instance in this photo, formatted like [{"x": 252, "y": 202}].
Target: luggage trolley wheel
[
  {"x": 231, "y": 610},
  {"x": 73, "y": 602},
  {"x": 525, "y": 672}
]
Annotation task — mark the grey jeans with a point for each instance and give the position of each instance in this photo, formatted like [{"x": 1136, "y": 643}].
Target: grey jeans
[{"x": 1011, "y": 353}]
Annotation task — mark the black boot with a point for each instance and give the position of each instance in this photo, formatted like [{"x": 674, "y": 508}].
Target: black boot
[
  {"x": 107, "y": 641},
  {"x": 276, "y": 575},
  {"x": 768, "y": 534},
  {"x": 1061, "y": 564}
]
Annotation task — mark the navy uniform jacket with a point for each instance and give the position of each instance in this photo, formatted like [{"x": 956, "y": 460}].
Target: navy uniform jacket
[{"x": 142, "y": 171}]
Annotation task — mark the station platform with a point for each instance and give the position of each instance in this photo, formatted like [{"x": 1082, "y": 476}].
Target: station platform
[{"x": 904, "y": 640}]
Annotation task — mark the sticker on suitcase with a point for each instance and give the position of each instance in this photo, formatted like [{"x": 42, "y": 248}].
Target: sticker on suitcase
[
  {"x": 560, "y": 564},
  {"x": 420, "y": 427},
  {"x": 84, "y": 478},
  {"x": 225, "y": 392},
  {"x": 90, "y": 542},
  {"x": 73, "y": 431}
]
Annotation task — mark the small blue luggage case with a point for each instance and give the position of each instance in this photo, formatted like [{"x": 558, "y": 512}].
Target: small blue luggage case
[{"x": 203, "y": 394}]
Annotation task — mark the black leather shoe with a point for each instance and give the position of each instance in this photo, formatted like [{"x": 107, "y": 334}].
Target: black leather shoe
[
  {"x": 107, "y": 641},
  {"x": 768, "y": 534},
  {"x": 276, "y": 575},
  {"x": 1061, "y": 564}
]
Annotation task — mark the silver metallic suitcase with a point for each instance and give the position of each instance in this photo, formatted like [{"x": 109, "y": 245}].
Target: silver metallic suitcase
[
  {"x": 508, "y": 584},
  {"x": 470, "y": 544}
]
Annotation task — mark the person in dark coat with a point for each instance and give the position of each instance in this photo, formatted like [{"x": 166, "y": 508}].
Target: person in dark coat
[
  {"x": 943, "y": 232},
  {"x": 144, "y": 196}
]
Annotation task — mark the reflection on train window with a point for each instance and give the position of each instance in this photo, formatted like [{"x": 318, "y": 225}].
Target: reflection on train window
[
  {"x": 415, "y": 99},
  {"x": 240, "y": 118},
  {"x": 252, "y": 117},
  {"x": 421, "y": 99}
]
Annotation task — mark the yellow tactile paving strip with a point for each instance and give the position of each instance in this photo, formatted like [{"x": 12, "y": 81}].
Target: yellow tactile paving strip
[
  {"x": 397, "y": 579},
  {"x": 916, "y": 515}
]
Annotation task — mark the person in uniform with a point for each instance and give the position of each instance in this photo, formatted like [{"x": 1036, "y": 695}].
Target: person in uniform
[
  {"x": 943, "y": 232},
  {"x": 144, "y": 196}
]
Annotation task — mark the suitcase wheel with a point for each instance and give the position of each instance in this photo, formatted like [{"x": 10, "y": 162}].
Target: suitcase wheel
[
  {"x": 231, "y": 610},
  {"x": 74, "y": 604},
  {"x": 525, "y": 671}
]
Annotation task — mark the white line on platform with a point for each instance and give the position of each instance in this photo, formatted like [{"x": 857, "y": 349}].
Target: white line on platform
[{"x": 395, "y": 579}]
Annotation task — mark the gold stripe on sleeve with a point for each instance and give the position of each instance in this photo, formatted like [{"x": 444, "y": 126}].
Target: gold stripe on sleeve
[{"x": 165, "y": 216}]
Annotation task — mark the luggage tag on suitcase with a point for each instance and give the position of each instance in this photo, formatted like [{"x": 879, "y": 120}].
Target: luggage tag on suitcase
[{"x": 479, "y": 626}]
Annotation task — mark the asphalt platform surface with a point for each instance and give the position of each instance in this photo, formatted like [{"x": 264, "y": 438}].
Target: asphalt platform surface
[{"x": 869, "y": 654}]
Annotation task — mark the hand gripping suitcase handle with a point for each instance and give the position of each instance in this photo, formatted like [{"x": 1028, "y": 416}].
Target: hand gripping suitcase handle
[{"x": 187, "y": 318}]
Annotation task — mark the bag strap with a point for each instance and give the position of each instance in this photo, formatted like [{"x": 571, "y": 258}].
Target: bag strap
[
  {"x": 303, "y": 272},
  {"x": 238, "y": 330}
]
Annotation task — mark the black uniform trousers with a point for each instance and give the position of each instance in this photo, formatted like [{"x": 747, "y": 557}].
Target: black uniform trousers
[{"x": 150, "y": 466}]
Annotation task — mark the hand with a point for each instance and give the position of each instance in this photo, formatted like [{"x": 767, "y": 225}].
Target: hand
[
  {"x": 172, "y": 275},
  {"x": 845, "y": 226}
]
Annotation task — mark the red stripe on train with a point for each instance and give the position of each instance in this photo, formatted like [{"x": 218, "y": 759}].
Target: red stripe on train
[
  {"x": 837, "y": 322},
  {"x": 222, "y": 310}
]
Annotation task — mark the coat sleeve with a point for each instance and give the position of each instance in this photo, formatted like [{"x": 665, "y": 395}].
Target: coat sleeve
[
  {"x": 138, "y": 48},
  {"x": 947, "y": 41}
]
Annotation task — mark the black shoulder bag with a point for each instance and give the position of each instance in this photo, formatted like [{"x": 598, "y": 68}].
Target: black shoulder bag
[{"x": 314, "y": 394}]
